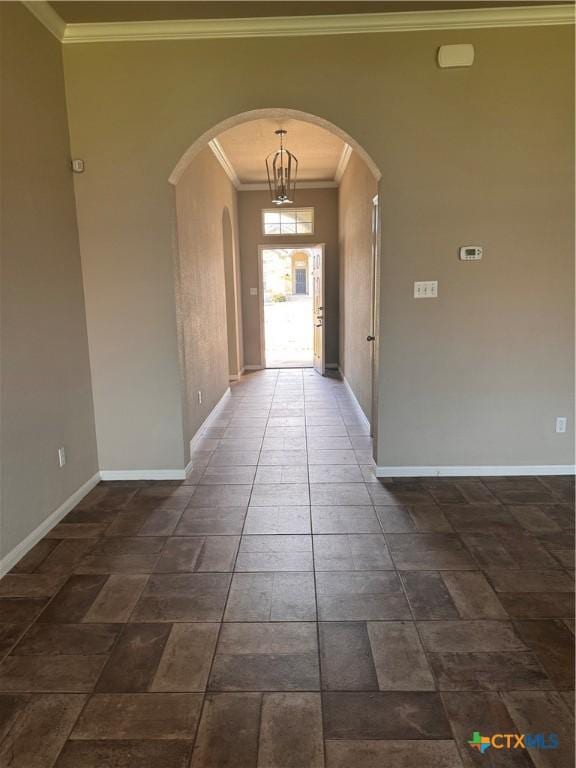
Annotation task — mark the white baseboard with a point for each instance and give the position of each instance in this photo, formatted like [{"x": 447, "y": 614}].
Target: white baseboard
[
  {"x": 16, "y": 554},
  {"x": 361, "y": 413},
  {"x": 208, "y": 420},
  {"x": 479, "y": 471},
  {"x": 143, "y": 474},
  {"x": 236, "y": 376},
  {"x": 253, "y": 367}
]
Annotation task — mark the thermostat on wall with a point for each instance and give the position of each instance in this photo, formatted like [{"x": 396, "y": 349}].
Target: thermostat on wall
[{"x": 470, "y": 253}]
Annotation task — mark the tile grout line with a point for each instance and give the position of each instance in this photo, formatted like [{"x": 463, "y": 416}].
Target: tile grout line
[
  {"x": 261, "y": 707},
  {"x": 206, "y": 691},
  {"x": 316, "y": 606}
]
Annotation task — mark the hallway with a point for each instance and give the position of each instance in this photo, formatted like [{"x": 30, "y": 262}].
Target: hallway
[{"x": 283, "y": 607}]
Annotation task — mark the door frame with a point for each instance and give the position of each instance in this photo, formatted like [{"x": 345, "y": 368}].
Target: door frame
[
  {"x": 274, "y": 247},
  {"x": 375, "y": 315},
  {"x": 321, "y": 369}
]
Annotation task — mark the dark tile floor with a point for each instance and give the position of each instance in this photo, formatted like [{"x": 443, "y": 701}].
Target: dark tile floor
[{"x": 285, "y": 609}]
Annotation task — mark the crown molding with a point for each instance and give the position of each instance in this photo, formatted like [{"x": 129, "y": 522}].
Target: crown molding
[
  {"x": 47, "y": 16},
  {"x": 257, "y": 186},
  {"x": 342, "y": 163},
  {"x": 262, "y": 186},
  {"x": 222, "y": 157},
  {"x": 300, "y": 26}
]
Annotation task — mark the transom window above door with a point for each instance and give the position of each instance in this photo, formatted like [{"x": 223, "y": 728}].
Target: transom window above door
[{"x": 293, "y": 221}]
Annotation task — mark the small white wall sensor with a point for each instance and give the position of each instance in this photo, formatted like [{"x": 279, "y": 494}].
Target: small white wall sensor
[
  {"x": 461, "y": 55},
  {"x": 470, "y": 253},
  {"x": 561, "y": 423},
  {"x": 78, "y": 166}
]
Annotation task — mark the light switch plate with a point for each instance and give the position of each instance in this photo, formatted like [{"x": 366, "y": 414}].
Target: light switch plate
[
  {"x": 253, "y": 291},
  {"x": 427, "y": 289}
]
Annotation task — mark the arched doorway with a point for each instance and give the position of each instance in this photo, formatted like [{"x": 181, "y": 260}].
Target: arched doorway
[
  {"x": 238, "y": 297},
  {"x": 275, "y": 113}
]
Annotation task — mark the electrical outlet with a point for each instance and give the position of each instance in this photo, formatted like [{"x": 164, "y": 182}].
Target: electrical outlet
[
  {"x": 427, "y": 289},
  {"x": 61, "y": 457},
  {"x": 561, "y": 422},
  {"x": 199, "y": 397}
]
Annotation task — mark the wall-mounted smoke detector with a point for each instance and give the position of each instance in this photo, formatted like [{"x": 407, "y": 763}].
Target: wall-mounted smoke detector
[{"x": 461, "y": 55}]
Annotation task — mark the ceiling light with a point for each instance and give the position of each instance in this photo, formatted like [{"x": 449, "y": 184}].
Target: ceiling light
[{"x": 281, "y": 167}]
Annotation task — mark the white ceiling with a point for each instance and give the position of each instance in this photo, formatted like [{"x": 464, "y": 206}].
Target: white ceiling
[{"x": 247, "y": 145}]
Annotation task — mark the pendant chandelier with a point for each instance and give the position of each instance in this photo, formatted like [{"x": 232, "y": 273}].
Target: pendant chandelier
[{"x": 281, "y": 167}]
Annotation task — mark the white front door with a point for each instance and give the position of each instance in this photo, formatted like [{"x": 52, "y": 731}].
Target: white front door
[{"x": 319, "y": 310}]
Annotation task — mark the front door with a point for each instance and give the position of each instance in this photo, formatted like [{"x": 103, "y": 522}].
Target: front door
[
  {"x": 301, "y": 281},
  {"x": 318, "y": 310}
]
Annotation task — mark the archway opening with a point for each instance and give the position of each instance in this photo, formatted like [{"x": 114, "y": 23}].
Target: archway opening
[{"x": 226, "y": 225}]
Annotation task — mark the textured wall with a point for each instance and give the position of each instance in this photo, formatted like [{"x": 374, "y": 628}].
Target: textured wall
[
  {"x": 204, "y": 195},
  {"x": 250, "y": 205},
  {"x": 357, "y": 190},
  {"x": 46, "y": 393},
  {"x": 480, "y": 155}
]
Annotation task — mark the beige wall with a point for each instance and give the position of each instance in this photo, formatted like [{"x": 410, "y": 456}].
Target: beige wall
[
  {"x": 357, "y": 190},
  {"x": 46, "y": 398},
  {"x": 480, "y": 155},
  {"x": 250, "y": 205},
  {"x": 205, "y": 204}
]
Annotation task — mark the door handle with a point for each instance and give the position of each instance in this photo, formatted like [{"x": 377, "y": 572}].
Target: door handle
[{"x": 370, "y": 338}]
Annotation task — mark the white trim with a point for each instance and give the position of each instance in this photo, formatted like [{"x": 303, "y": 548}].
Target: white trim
[
  {"x": 261, "y": 315},
  {"x": 479, "y": 471},
  {"x": 257, "y": 186},
  {"x": 342, "y": 163},
  {"x": 209, "y": 419},
  {"x": 301, "y": 26},
  {"x": 16, "y": 554},
  {"x": 222, "y": 157},
  {"x": 237, "y": 376},
  {"x": 48, "y": 17},
  {"x": 276, "y": 247},
  {"x": 143, "y": 474},
  {"x": 270, "y": 113},
  {"x": 361, "y": 413}
]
